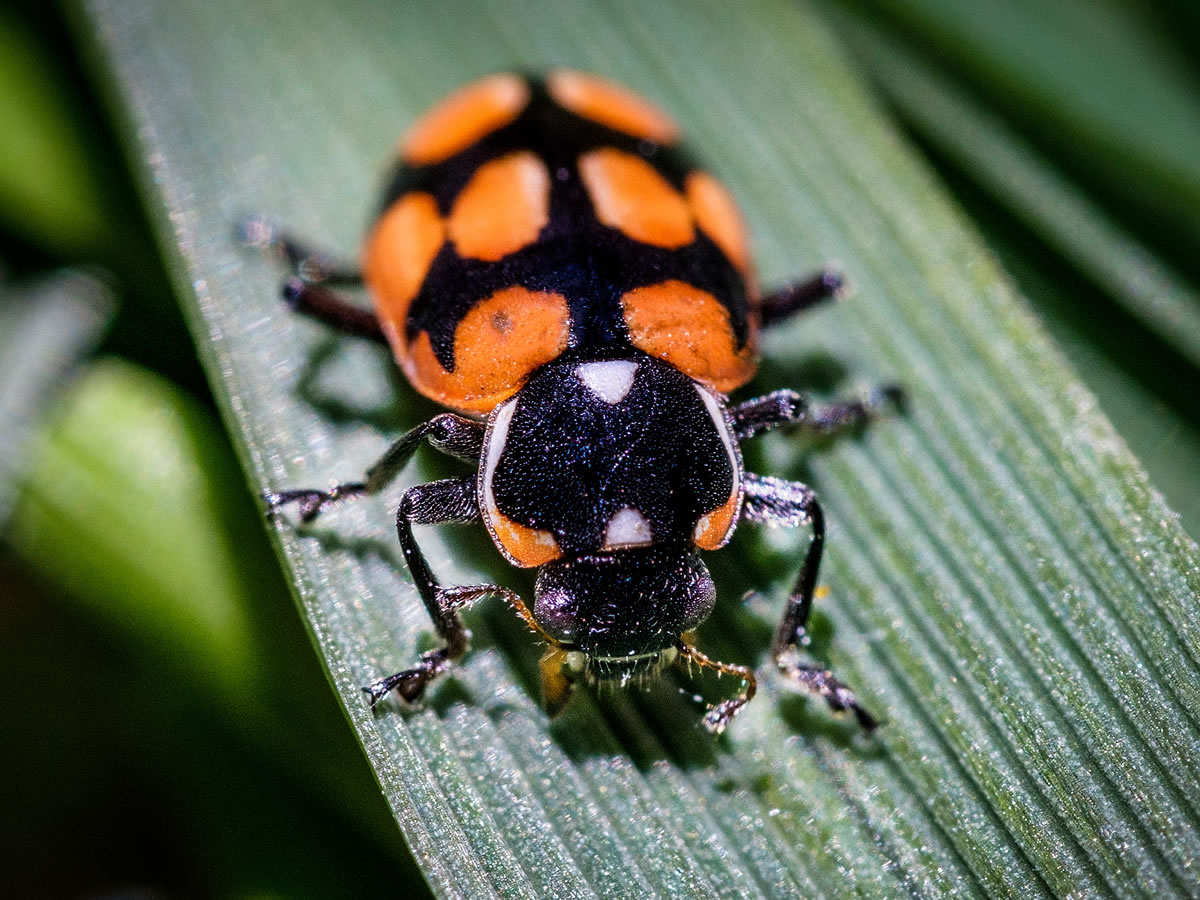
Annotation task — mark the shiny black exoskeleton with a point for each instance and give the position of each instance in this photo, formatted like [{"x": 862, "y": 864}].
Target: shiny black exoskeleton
[{"x": 548, "y": 257}]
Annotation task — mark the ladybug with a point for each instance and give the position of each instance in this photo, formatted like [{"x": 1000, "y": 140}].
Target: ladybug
[{"x": 550, "y": 264}]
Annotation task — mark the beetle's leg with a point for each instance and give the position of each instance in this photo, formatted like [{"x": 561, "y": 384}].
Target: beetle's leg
[
  {"x": 720, "y": 714},
  {"x": 798, "y": 297},
  {"x": 453, "y": 435},
  {"x": 779, "y": 408},
  {"x": 318, "y": 302},
  {"x": 314, "y": 266},
  {"x": 774, "y": 501},
  {"x": 307, "y": 291},
  {"x": 435, "y": 503}
]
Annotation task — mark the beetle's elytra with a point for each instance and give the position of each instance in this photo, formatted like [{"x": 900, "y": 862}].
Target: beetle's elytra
[{"x": 548, "y": 262}]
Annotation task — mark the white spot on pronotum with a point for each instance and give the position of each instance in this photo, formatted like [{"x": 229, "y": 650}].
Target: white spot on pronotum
[
  {"x": 609, "y": 380},
  {"x": 713, "y": 405},
  {"x": 626, "y": 528},
  {"x": 496, "y": 439},
  {"x": 502, "y": 530}
]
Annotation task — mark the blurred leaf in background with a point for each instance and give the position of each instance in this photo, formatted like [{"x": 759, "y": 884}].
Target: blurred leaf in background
[
  {"x": 155, "y": 698},
  {"x": 1003, "y": 583},
  {"x": 145, "y": 633}
]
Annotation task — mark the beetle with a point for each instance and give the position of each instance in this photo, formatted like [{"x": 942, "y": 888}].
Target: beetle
[{"x": 550, "y": 264}]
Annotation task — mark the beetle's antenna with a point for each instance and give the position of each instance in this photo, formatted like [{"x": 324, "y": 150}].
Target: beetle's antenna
[
  {"x": 513, "y": 599},
  {"x": 721, "y": 714}
]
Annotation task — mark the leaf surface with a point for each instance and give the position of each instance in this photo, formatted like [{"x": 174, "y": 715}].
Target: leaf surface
[{"x": 1006, "y": 587}]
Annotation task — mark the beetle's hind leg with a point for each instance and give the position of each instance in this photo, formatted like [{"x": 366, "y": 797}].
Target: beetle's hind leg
[
  {"x": 799, "y": 296},
  {"x": 314, "y": 266},
  {"x": 773, "y": 501},
  {"x": 308, "y": 290}
]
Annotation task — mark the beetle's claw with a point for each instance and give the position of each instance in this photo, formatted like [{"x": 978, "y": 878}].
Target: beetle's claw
[{"x": 409, "y": 684}]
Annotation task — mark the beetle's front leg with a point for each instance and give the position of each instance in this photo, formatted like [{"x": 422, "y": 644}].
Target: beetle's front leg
[
  {"x": 719, "y": 715},
  {"x": 436, "y": 503},
  {"x": 773, "y": 501}
]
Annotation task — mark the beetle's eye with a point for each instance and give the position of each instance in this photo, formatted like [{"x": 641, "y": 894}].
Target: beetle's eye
[{"x": 555, "y": 605}]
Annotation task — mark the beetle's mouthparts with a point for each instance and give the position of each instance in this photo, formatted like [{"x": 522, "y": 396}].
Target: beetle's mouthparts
[{"x": 634, "y": 666}]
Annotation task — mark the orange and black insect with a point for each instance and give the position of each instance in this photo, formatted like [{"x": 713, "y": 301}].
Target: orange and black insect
[{"x": 549, "y": 262}]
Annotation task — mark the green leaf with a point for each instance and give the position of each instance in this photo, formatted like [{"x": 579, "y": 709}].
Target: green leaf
[
  {"x": 125, "y": 503},
  {"x": 48, "y": 190},
  {"x": 1033, "y": 190},
  {"x": 172, "y": 685},
  {"x": 1098, "y": 82},
  {"x": 1143, "y": 381},
  {"x": 45, "y": 327},
  {"x": 1006, "y": 586}
]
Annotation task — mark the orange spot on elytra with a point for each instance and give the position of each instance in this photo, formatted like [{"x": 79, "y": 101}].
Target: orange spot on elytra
[
  {"x": 502, "y": 208},
  {"x": 630, "y": 195},
  {"x": 464, "y": 117},
  {"x": 610, "y": 104},
  {"x": 496, "y": 345},
  {"x": 397, "y": 257},
  {"x": 718, "y": 217},
  {"x": 690, "y": 329}
]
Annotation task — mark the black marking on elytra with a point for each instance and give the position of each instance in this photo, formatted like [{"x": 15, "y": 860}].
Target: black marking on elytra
[{"x": 588, "y": 263}]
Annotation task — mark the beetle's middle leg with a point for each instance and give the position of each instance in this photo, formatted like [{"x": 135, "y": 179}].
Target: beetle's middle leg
[
  {"x": 453, "y": 435},
  {"x": 787, "y": 408},
  {"x": 774, "y": 501}
]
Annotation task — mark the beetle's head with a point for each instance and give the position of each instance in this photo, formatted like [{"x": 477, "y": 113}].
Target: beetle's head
[{"x": 624, "y": 612}]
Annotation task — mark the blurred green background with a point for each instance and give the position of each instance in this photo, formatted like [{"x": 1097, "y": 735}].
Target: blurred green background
[{"x": 144, "y": 623}]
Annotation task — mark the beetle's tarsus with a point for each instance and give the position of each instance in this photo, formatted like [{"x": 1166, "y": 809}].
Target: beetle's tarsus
[
  {"x": 409, "y": 684},
  {"x": 311, "y": 502},
  {"x": 255, "y": 232},
  {"x": 822, "y": 682},
  {"x": 719, "y": 715}
]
